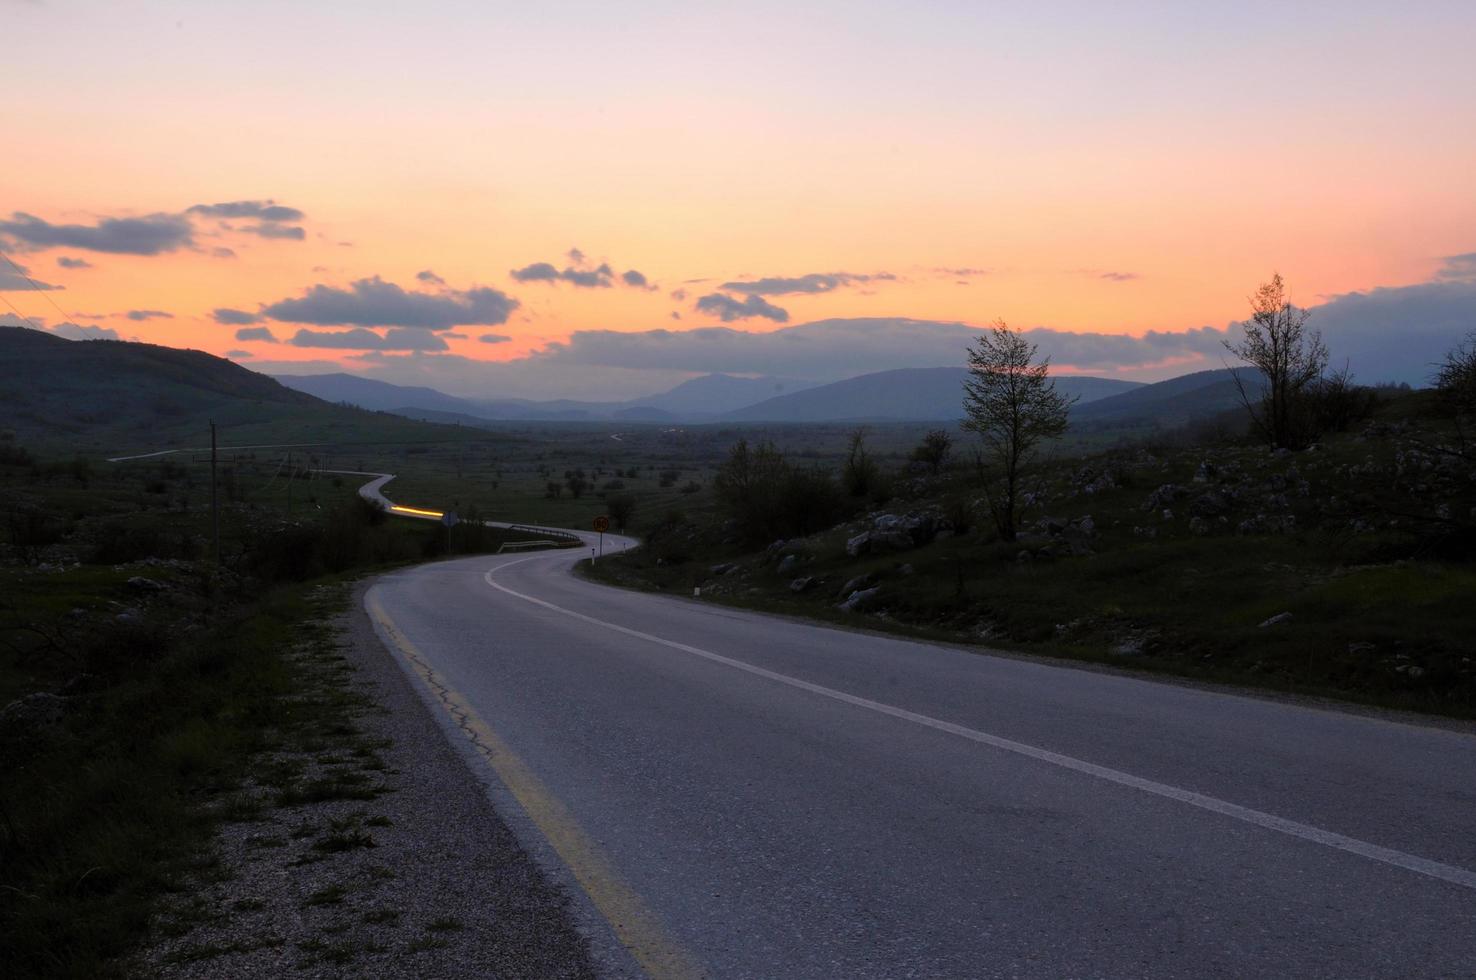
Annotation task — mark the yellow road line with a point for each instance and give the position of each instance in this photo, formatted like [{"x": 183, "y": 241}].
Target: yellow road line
[{"x": 635, "y": 925}]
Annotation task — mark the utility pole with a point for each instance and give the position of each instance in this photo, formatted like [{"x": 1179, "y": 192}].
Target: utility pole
[{"x": 214, "y": 499}]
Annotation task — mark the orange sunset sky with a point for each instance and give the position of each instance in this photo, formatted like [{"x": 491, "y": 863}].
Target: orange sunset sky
[{"x": 1081, "y": 167}]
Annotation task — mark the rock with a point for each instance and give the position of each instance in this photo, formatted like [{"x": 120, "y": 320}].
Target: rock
[
  {"x": 1206, "y": 473},
  {"x": 1212, "y": 503},
  {"x": 859, "y": 582},
  {"x": 1198, "y": 525},
  {"x": 1163, "y": 496},
  {"x": 33, "y": 712},
  {"x": 1416, "y": 672},
  {"x": 878, "y": 542},
  {"x": 907, "y": 570},
  {"x": 888, "y": 522},
  {"x": 141, "y": 584},
  {"x": 801, "y": 584},
  {"x": 129, "y": 617},
  {"x": 1051, "y": 525},
  {"x": 1278, "y": 620},
  {"x": 1086, "y": 524},
  {"x": 859, "y": 599},
  {"x": 1130, "y": 647},
  {"x": 723, "y": 568},
  {"x": 788, "y": 564},
  {"x": 1360, "y": 649},
  {"x": 859, "y": 545}
]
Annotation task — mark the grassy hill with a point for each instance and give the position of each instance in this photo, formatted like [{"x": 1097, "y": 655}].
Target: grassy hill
[{"x": 112, "y": 397}]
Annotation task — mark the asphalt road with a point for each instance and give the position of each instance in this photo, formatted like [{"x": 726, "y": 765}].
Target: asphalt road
[{"x": 736, "y": 795}]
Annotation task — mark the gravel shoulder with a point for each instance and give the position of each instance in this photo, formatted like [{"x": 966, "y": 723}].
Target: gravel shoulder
[{"x": 363, "y": 846}]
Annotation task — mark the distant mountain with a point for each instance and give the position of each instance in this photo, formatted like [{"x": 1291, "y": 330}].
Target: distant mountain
[
  {"x": 713, "y": 394},
  {"x": 1174, "y": 402},
  {"x": 699, "y": 399},
  {"x": 921, "y": 394},
  {"x": 113, "y": 396},
  {"x": 378, "y": 396}
]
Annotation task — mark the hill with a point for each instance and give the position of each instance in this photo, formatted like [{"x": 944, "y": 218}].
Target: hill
[
  {"x": 911, "y": 394},
  {"x": 113, "y": 396},
  {"x": 1171, "y": 403}
]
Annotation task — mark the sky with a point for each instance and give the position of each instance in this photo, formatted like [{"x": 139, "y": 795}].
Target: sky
[{"x": 600, "y": 200}]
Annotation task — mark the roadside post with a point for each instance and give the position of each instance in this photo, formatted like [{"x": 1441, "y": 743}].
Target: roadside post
[{"x": 450, "y": 520}]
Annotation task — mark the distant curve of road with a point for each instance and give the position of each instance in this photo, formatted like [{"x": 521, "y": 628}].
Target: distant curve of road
[{"x": 731, "y": 794}]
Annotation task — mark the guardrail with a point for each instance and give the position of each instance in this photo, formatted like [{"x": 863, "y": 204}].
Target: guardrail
[
  {"x": 528, "y": 545},
  {"x": 560, "y": 538}
]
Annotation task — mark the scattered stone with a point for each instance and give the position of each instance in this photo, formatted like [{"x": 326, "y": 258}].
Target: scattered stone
[
  {"x": 859, "y": 582},
  {"x": 1198, "y": 525},
  {"x": 801, "y": 584},
  {"x": 1360, "y": 649},
  {"x": 1277, "y": 620},
  {"x": 788, "y": 564},
  {"x": 723, "y": 568},
  {"x": 141, "y": 584},
  {"x": 860, "y": 598}
]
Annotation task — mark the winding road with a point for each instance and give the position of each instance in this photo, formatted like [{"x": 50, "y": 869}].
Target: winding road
[{"x": 737, "y": 795}]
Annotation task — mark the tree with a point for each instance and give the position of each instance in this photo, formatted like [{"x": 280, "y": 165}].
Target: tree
[
  {"x": 1289, "y": 356},
  {"x": 860, "y": 473},
  {"x": 620, "y": 508},
  {"x": 1455, "y": 377},
  {"x": 934, "y": 449},
  {"x": 1011, "y": 402}
]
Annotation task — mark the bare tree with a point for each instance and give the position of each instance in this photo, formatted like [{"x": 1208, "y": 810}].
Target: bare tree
[
  {"x": 1291, "y": 357},
  {"x": 1010, "y": 400}
]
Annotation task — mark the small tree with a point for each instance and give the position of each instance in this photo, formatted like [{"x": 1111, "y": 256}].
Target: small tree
[
  {"x": 934, "y": 449},
  {"x": 1010, "y": 401},
  {"x": 620, "y": 507},
  {"x": 1455, "y": 377},
  {"x": 860, "y": 473},
  {"x": 1290, "y": 357}
]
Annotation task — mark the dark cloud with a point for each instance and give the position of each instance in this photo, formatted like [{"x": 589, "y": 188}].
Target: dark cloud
[
  {"x": 290, "y": 232},
  {"x": 536, "y": 272},
  {"x": 152, "y": 234},
  {"x": 962, "y": 273},
  {"x": 637, "y": 279},
  {"x": 67, "y": 262},
  {"x": 1119, "y": 276},
  {"x": 814, "y": 282},
  {"x": 600, "y": 277},
  {"x": 494, "y": 338},
  {"x": 231, "y": 318},
  {"x": 76, "y": 331},
  {"x": 728, "y": 309},
  {"x": 376, "y": 303},
  {"x": 397, "y": 338},
  {"x": 680, "y": 295},
  {"x": 239, "y": 355},
  {"x": 575, "y": 256},
  {"x": 140, "y": 315},
  {"x": 260, "y": 210},
  {"x": 425, "y": 275},
  {"x": 221, "y": 252},
  {"x": 1458, "y": 268},
  {"x": 14, "y": 277},
  {"x": 257, "y": 333}
]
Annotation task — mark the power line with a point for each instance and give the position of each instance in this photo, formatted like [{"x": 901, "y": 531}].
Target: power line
[
  {"x": 33, "y": 323},
  {"x": 46, "y": 293}
]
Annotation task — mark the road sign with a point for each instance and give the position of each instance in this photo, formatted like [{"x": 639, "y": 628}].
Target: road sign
[
  {"x": 450, "y": 519},
  {"x": 602, "y": 524}
]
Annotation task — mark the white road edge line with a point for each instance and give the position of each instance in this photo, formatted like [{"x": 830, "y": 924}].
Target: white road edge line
[{"x": 1292, "y": 828}]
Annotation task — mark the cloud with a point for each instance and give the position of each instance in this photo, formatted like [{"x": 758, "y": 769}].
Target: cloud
[
  {"x": 67, "y": 262},
  {"x": 494, "y": 338},
  {"x": 260, "y": 210},
  {"x": 257, "y": 333},
  {"x": 728, "y": 309},
  {"x": 376, "y": 303},
  {"x": 964, "y": 272},
  {"x": 239, "y": 355},
  {"x": 1458, "y": 268},
  {"x": 425, "y": 275},
  {"x": 1119, "y": 276},
  {"x": 15, "y": 277},
  {"x": 76, "y": 331},
  {"x": 600, "y": 277},
  {"x": 397, "y": 338},
  {"x": 631, "y": 277},
  {"x": 814, "y": 282},
  {"x": 289, "y": 232},
  {"x": 221, "y": 252},
  {"x": 152, "y": 234},
  {"x": 680, "y": 295},
  {"x": 140, "y": 315},
  {"x": 232, "y": 318},
  {"x": 575, "y": 256}
]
